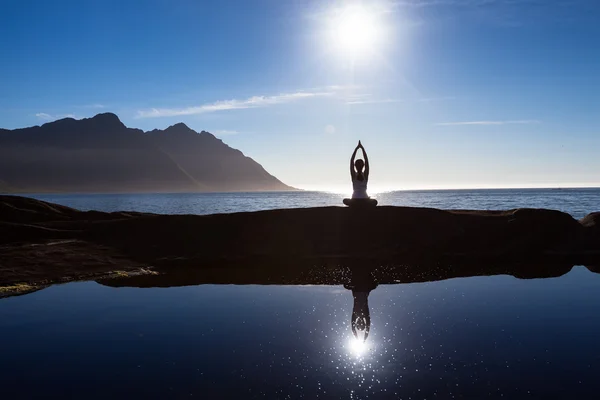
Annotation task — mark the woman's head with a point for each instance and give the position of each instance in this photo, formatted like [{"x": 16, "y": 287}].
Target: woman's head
[
  {"x": 361, "y": 323},
  {"x": 359, "y": 164}
]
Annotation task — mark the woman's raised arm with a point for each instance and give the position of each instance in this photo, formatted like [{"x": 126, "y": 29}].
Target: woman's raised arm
[
  {"x": 352, "y": 172},
  {"x": 366, "y": 162}
]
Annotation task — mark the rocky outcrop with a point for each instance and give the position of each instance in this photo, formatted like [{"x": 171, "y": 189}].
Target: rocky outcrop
[
  {"x": 592, "y": 223},
  {"x": 288, "y": 239}
]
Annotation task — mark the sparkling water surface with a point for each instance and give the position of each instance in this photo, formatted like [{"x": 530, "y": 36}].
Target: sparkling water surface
[{"x": 478, "y": 337}]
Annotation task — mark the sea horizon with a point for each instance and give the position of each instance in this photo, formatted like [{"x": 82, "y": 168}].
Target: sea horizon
[{"x": 301, "y": 190}]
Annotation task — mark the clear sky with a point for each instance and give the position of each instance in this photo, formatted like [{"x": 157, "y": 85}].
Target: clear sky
[{"x": 442, "y": 93}]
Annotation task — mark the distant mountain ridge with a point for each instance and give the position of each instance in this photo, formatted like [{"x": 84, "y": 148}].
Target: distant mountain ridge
[{"x": 101, "y": 154}]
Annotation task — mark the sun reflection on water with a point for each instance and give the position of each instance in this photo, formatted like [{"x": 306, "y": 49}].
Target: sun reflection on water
[{"x": 357, "y": 347}]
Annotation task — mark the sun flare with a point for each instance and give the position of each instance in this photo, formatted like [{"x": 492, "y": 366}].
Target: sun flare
[
  {"x": 357, "y": 347},
  {"x": 355, "y": 30}
]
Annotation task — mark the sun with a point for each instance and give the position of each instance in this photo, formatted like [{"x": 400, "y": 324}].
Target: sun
[{"x": 355, "y": 30}]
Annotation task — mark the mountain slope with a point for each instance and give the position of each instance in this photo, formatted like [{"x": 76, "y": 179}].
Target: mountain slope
[
  {"x": 208, "y": 160},
  {"x": 101, "y": 154}
]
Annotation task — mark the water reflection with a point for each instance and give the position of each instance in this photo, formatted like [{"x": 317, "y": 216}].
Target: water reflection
[
  {"x": 359, "y": 274},
  {"x": 361, "y": 284},
  {"x": 480, "y": 337}
]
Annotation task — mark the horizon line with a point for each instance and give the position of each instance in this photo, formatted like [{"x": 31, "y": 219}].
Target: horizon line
[
  {"x": 297, "y": 189},
  {"x": 375, "y": 191}
]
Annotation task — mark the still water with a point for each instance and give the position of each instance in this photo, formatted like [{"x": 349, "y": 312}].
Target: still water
[
  {"x": 475, "y": 337},
  {"x": 577, "y": 202}
]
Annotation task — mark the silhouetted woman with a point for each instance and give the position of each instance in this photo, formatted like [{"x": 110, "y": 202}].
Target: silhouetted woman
[{"x": 360, "y": 179}]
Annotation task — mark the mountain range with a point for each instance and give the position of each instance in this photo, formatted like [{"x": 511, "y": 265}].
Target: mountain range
[{"x": 101, "y": 154}]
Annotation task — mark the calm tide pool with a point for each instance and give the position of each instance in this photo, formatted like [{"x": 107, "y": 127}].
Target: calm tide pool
[{"x": 477, "y": 337}]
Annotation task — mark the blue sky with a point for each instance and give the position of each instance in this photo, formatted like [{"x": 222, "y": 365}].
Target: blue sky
[{"x": 447, "y": 94}]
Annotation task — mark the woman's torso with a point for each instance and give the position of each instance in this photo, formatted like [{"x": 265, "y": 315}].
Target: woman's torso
[{"x": 359, "y": 189}]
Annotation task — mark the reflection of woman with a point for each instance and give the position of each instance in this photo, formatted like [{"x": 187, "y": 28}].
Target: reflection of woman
[{"x": 361, "y": 285}]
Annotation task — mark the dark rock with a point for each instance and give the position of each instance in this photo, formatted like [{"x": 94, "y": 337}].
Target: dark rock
[
  {"x": 367, "y": 274},
  {"x": 591, "y": 225},
  {"x": 591, "y": 222},
  {"x": 296, "y": 238}
]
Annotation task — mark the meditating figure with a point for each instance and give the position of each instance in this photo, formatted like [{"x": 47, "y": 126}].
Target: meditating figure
[{"x": 359, "y": 180}]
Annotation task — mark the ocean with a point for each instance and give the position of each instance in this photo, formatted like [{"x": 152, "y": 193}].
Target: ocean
[{"x": 577, "y": 202}]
